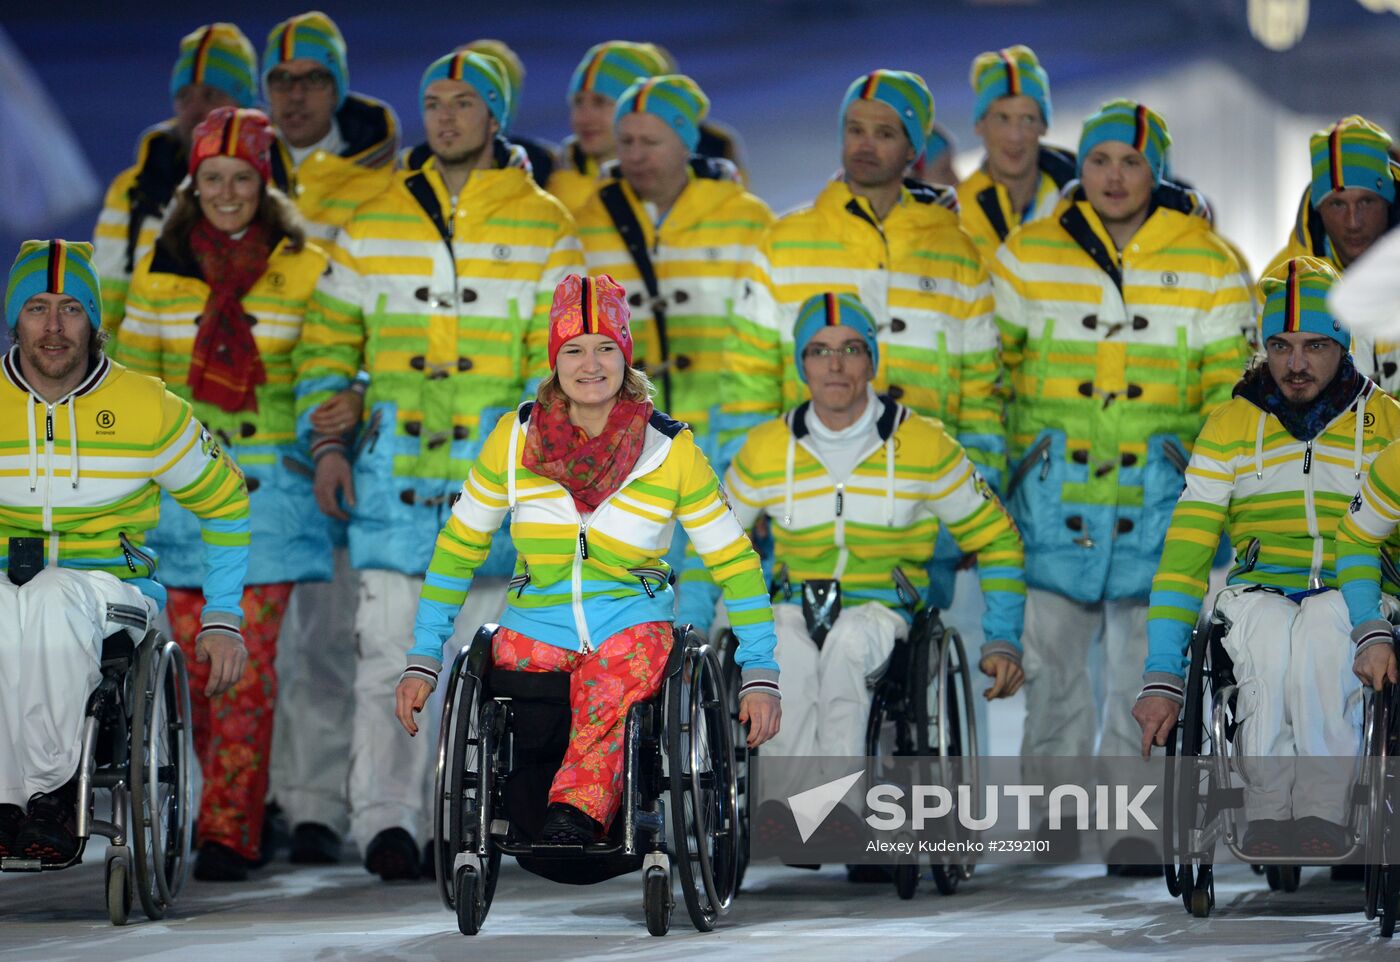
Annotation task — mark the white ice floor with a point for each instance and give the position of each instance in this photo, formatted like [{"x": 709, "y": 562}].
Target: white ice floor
[{"x": 342, "y": 913}]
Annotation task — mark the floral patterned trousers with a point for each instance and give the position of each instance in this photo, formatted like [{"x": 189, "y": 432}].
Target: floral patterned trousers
[
  {"x": 603, "y": 685},
  {"x": 233, "y": 731}
]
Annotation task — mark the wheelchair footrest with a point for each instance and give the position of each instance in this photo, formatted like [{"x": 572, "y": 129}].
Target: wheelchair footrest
[{"x": 21, "y": 865}]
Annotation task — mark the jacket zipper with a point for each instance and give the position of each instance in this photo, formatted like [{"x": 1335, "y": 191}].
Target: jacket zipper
[
  {"x": 842, "y": 554},
  {"x": 1041, "y": 450},
  {"x": 1311, "y": 508},
  {"x": 48, "y": 471},
  {"x": 581, "y": 554}
]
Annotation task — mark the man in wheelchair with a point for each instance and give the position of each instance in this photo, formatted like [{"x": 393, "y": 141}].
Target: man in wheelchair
[
  {"x": 594, "y": 480},
  {"x": 1276, "y": 466},
  {"x": 87, "y": 445},
  {"x": 854, "y": 486}
]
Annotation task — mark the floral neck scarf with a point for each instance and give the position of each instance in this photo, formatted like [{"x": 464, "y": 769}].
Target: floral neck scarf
[{"x": 590, "y": 469}]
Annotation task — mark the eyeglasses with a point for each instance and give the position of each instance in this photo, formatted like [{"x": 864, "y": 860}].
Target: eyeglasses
[
  {"x": 846, "y": 352},
  {"x": 282, "y": 81}
]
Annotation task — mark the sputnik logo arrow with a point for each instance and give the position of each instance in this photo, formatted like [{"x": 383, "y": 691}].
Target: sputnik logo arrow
[{"x": 810, "y": 808}]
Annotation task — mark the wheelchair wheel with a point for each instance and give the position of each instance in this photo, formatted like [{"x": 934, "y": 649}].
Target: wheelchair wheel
[
  {"x": 467, "y": 893},
  {"x": 945, "y": 720},
  {"x": 703, "y": 796},
  {"x": 463, "y": 784},
  {"x": 1188, "y": 783},
  {"x": 118, "y": 892},
  {"x": 657, "y": 900},
  {"x": 1383, "y": 846},
  {"x": 159, "y": 775},
  {"x": 742, "y": 754}
]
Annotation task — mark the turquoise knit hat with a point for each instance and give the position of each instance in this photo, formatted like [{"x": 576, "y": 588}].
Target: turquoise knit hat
[
  {"x": 1295, "y": 299},
  {"x": 675, "y": 98},
  {"x": 1353, "y": 152},
  {"x": 53, "y": 267},
  {"x": 1140, "y": 127},
  {"x": 313, "y": 36},
  {"x": 1013, "y": 72},
  {"x": 483, "y": 72},
  {"x": 829, "y": 310},
  {"x": 610, "y": 68},
  {"x": 220, "y": 56},
  {"x": 905, "y": 92}
]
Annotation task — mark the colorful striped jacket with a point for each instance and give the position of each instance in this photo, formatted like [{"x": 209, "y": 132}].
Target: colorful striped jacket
[
  {"x": 912, "y": 480},
  {"x": 435, "y": 297},
  {"x": 575, "y": 177},
  {"x": 919, "y": 274},
  {"x": 132, "y": 213},
  {"x": 1369, "y": 523},
  {"x": 984, "y": 206},
  {"x": 1115, "y": 361},
  {"x": 85, "y": 474},
  {"x": 328, "y": 187},
  {"x": 1253, "y": 480},
  {"x": 291, "y": 538},
  {"x": 703, "y": 254},
  {"x": 580, "y": 580}
]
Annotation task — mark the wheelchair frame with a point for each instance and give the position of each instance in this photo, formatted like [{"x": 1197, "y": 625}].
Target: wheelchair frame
[
  {"x": 1202, "y": 800},
  {"x": 692, "y": 764},
  {"x": 139, "y": 717}
]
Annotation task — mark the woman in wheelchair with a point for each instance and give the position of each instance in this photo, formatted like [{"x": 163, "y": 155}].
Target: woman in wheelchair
[
  {"x": 1279, "y": 464},
  {"x": 594, "y": 480}
]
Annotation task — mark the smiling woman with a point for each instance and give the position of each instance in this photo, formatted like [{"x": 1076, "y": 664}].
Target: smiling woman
[{"x": 214, "y": 311}]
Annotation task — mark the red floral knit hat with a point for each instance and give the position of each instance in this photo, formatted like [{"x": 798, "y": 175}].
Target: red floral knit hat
[
  {"x": 589, "y": 305},
  {"x": 239, "y": 132}
]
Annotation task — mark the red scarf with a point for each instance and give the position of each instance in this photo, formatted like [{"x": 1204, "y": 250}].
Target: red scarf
[
  {"x": 590, "y": 469},
  {"x": 226, "y": 367}
]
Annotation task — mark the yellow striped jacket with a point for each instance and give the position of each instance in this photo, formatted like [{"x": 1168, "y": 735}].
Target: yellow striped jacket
[
  {"x": 1252, "y": 479},
  {"x": 912, "y": 480},
  {"x": 1369, "y": 527},
  {"x": 984, "y": 206},
  {"x": 290, "y": 534},
  {"x": 1115, "y": 361},
  {"x": 580, "y": 579},
  {"x": 439, "y": 299},
  {"x": 84, "y": 474},
  {"x": 702, "y": 253}
]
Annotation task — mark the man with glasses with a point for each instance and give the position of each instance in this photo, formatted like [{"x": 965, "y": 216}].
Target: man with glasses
[
  {"x": 335, "y": 148},
  {"x": 1020, "y": 178},
  {"x": 433, "y": 289},
  {"x": 854, "y": 485}
]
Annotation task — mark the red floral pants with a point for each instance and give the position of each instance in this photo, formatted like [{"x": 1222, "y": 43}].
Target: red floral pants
[
  {"x": 603, "y": 685},
  {"x": 233, "y": 731}
]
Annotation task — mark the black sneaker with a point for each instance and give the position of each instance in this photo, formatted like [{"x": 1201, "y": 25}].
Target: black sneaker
[
  {"x": 48, "y": 834},
  {"x": 314, "y": 844},
  {"x": 219, "y": 863},
  {"x": 11, "y": 818},
  {"x": 393, "y": 855},
  {"x": 1134, "y": 858},
  {"x": 566, "y": 825},
  {"x": 1263, "y": 838},
  {"x": 1319, "y": 838}
]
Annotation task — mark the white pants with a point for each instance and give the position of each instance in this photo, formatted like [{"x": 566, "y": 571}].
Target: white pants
[
  {"x": 826, "y": 693},
  {"x": 1293, "y": 667},
  {"x": 316, "y": 701},
  {"x": 51, "y": 633},
  {"x": 391, "y": 773},
  {"x": 1061, "y": 717}
]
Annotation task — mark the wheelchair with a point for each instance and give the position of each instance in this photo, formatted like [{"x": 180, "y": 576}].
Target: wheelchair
[
  {"x": 1204, "y": 789},
  {"x": 921, "y": 706},
  {"x": 135, "y": 744},
  {"x": 502, "y": 739}
]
